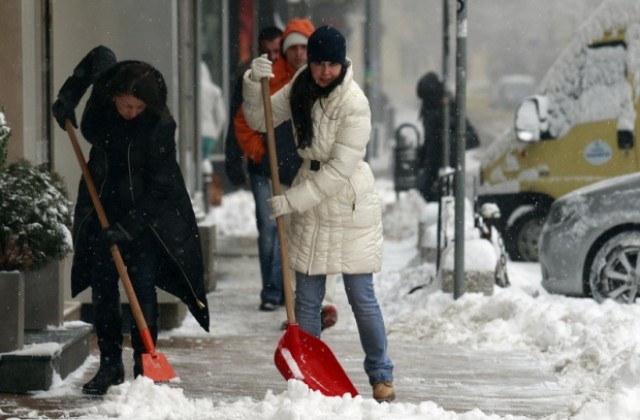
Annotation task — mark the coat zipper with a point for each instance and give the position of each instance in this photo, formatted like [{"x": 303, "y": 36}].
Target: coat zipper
[
  {"x": 353, "y": 204},
  {"x": 313, "y": 241},
  {"x": 129, "y": 172}
]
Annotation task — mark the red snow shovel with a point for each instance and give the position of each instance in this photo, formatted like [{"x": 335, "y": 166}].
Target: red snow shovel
[
  {"x": 300, "y": 355},
  {"x": 154, "y": 365}
]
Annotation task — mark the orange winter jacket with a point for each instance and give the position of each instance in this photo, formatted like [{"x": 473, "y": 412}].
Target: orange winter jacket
[{"x": 251, "y": 141}]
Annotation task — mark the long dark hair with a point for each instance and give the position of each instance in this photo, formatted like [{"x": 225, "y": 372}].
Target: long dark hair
[
  {"x": 304, "y": 93},
  {"x": 141, "y": 80}
]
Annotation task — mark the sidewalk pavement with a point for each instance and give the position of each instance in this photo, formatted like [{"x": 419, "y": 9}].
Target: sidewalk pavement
[{"x": 236, "y": 359}]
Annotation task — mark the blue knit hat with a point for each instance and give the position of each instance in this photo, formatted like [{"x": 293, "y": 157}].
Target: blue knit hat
[{"x": 326, "y": 44}]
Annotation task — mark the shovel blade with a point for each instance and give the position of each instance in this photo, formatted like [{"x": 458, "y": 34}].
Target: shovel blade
[
  {"x": 156, "y": 367},
  {"x": 306, "y": 358}
]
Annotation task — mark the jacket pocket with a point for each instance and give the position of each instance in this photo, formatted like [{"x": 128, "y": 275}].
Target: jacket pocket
[{"x": 365, "y": 210}]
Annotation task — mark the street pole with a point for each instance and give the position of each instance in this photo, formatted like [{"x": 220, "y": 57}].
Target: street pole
[
  {"x": 367, "y": 64},
  {"x": 444, "y": 181},
  {"x": 445, "y": 79},
  {"x": 461, "y": 62},
  {"x": 372, "y": 72}
]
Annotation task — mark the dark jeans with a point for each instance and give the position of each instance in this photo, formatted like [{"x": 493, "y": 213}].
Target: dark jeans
[{"x": 141, "y": 257}]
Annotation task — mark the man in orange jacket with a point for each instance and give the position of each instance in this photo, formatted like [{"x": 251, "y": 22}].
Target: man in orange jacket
[
  {"x": 269, "y": 40},
  {"x": 293, "y": 56}
]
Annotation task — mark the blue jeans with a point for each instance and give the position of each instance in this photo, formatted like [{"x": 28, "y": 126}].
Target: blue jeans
[
  {"x": 268, "y": 242},
  {"x": 310, "y": 291}
]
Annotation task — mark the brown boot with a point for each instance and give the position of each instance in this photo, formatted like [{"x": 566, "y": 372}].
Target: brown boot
[{"x": 383, "y": 391}]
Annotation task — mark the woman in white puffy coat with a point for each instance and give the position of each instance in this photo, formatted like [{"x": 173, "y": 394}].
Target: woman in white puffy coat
[{"x": 336, "y": 218}]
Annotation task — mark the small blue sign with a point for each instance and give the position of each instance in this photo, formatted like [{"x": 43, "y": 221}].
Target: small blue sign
[{"x": 598, "y": 152}]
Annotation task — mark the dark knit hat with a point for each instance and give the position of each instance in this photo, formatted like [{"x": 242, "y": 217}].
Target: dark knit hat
[{"x": 326, "y": 44}]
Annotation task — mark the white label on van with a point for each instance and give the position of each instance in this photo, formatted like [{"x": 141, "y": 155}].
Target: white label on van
[{"x": 597, "y": 152}]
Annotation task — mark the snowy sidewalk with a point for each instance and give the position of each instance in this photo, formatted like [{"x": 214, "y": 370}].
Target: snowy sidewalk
[{"x": 236, "y": 359}]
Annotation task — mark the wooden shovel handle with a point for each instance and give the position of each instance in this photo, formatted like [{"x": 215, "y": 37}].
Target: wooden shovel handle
[
  {"x": 277, "y": 190},
  {"x": 115, "y": 251}
]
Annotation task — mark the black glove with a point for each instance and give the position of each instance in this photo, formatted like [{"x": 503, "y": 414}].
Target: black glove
[
  {"x": 114, "y": 234},
  {"x": 62, "y": 112}
]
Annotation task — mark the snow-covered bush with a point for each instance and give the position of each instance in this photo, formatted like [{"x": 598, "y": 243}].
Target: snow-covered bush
[{"x": 34, "y": 213}]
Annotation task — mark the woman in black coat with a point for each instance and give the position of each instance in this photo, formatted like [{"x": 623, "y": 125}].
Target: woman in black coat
[
  {"x": 431, "y": 92},
  {"x": 134, "y": 167}
]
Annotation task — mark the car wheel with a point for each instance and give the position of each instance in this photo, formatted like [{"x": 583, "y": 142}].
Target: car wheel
[
  {"x": 523, "y": 237},
  {"x": 615, "y": 269}
]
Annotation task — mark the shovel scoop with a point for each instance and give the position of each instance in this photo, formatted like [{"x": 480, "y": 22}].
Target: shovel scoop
[
  {"x": 308, "y": 359},
  {"x": 155, "y": 365}
]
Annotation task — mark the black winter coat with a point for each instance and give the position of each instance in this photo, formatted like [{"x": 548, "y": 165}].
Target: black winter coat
[
  {"x": 134, "y": 167},
  {"x": 431, "y": 91}
]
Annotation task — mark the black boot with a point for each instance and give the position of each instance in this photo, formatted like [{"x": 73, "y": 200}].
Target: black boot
[
  {"x": 150, "y": 312},
  {"x": 111, "y": 372},
  {"x": 108, "y": 327}
]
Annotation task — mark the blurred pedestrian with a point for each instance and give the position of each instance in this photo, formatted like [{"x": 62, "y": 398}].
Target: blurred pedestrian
[
  {"x": 336, "y": 216},
  {"x": 213, "y": 117},
  {"x": 431, "y": 92},
  {"x": 133, "y": 164},
  {"x": 213, "y": 112}
]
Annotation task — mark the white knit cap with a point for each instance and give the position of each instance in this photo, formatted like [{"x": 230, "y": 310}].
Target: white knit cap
[{"x": 294, "y": 38}]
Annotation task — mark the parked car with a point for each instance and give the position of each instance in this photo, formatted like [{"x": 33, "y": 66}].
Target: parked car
[{"x": 590, "y": 243}]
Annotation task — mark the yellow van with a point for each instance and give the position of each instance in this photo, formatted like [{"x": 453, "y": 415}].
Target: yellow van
[{"x": 580, "y": 128}]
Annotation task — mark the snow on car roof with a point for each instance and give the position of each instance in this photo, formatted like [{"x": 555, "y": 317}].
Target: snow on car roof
[{"x": 590, "y": 84}]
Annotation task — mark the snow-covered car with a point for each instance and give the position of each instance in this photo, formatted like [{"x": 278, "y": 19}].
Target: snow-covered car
[
  {"x": 590, "y": 243},
  {"x": 576, "y": 130}
]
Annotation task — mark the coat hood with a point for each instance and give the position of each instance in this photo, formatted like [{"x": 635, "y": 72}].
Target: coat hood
[{"x": 430, "y": 89}]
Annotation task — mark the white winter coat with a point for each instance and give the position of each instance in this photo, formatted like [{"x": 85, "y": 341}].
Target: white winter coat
[
  {"x": 336, "y": 226},
  {"x": 213, "y": 111}
]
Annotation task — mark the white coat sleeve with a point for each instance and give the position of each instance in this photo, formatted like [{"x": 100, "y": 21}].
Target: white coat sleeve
[{"x": 254, "y": 108}]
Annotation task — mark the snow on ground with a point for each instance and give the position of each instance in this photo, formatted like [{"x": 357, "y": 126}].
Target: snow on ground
[{"x": 590, "y": 345}]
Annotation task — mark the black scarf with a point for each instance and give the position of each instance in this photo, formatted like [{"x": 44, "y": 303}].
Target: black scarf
[{"x": 304, "y": 93}]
